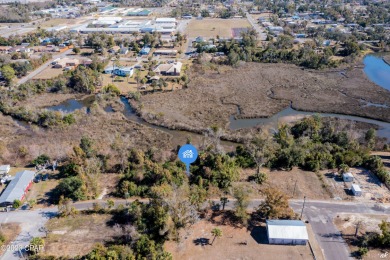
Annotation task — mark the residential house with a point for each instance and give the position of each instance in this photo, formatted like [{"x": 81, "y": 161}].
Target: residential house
[
  {"x": 66, "y": 62},
  {"x": 124, "y": 71},
  {"x": 119, "y": 71},
  {"x": 124, "y": 50},
  {"x": 109, "y": 70},
  {"x": 171, "y": 69},
  {"x": 145, "y": 50},
  {"x": 5, "y": 49}
]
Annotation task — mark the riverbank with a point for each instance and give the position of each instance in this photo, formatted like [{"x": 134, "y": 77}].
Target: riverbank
[{"x": 386, "y": 59}]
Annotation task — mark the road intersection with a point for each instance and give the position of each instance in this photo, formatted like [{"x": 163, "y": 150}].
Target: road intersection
[{"x": 319, "y": 214}]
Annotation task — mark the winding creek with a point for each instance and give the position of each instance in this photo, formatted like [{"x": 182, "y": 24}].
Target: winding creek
[{"x": 375, "y": 68}]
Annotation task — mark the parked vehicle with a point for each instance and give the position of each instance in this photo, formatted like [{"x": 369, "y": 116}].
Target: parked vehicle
[{"x": 38, "y": 178}]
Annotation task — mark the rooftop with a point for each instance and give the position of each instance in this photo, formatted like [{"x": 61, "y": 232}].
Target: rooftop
[
  {"x": 287, "y": 229},
  {"x": 17, "y": 187}
]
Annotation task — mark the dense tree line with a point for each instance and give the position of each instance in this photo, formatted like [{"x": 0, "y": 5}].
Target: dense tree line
[{"x": 275, "y": 51}]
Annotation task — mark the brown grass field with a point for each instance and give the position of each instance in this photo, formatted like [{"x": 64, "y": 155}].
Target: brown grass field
[
  {"x": 210, "y": 28},
  {"x": 10, "y": 232},
  {"x": 196, "y": 244},
  {"x": 307, "y": 183},
  {"x": 58, "y": 22},
  {"x": 49, "y": 73},
  {"x": 261, "y": 90},
  {"x": 73, "y": 236}
]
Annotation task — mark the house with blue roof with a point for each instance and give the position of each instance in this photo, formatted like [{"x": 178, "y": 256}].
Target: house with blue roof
[{"x": 145, "y": 50}]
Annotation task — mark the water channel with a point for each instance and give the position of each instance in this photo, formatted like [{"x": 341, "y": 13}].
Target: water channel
[{"x": 375, "y": 68}]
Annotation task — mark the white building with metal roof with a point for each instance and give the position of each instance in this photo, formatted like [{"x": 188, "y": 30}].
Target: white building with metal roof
[
  {"x": 348, "y": 177},
  {"x": 163, "y": 20},
  {"x": 287, "y": 232},
  {"x": 356, "y": 190},
  {"x": 17, "y": 188}
]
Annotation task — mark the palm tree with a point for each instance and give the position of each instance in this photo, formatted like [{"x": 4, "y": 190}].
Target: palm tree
[{"x": 216, "y": 232}]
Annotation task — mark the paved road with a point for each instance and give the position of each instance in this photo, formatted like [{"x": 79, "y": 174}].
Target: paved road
[
  {"x": 320, "y": 215},
  {"x": 31, "y": 222},
  {"x": 42, "y": 67},
  {"x": 259, "y": 29}
]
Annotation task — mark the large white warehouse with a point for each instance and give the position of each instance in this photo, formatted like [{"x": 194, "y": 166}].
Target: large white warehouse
[{"x": 287, "y": 232}]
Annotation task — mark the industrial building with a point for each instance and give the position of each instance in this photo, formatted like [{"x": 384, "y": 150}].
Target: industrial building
[
  {"x": 115, "y": 25},
  {"x": 165, "y": 20},
  {"x": 287, "y": 232},
  {"x": 139, "y": 12},
  {"x": 17, "y": 188}
]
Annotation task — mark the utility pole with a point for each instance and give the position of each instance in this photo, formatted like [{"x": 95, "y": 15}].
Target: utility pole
[
  {"x": 303, "y": 206},
  {"x": 357, "y": 228},
  {"x": 295, "y": 187}
]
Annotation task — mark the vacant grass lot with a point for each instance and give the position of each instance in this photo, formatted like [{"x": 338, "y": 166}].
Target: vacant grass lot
[
  {"x": 235, "y": 243},
  {"x": 210, "y": 28},
  {"x": 49, "y": 73},
  {"x": 58, "y": 22},
  {"x": 73, "y": 236}
]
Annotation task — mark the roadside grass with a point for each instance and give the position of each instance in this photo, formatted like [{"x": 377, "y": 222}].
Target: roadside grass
[{"x": 10, "y": 232}]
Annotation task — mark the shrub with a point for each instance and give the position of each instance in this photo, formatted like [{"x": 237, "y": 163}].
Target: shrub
[
  {"x": 2, "y": 238},
  {"x": 362, "y": 251},
  {"x": 69, "y": 119},
  {"x": 17, "y": 204},
  {"x": 41, "y": 159},
  {"x": 112, "y": 89}
]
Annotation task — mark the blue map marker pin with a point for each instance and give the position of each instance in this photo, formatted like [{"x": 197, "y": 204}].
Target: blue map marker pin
[{"x": 188, "y": 154}]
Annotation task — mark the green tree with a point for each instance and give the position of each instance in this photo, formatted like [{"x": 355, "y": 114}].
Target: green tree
[
  {"x": 112, "y": 89},
  {"x": 86, "y": 144},
  {"x": 224, "y": 200},
  {"x": 384, "y": 237},
  {"x": 17, "y": 204},
  {"x": 41, "y": 159},
  {"x": 71, "y": 187},
  {"x": 350, "y": 47},
  {"x": 241, "y": 204},
  {"x": 370, "y": 137},
  {"x": 32, "y": 203},
  {"x": 145, "y": 248},
  {"x": 68, "y": 170},
  {"x": 76, "y": 50},
  {"x": 216, "y": 232},
  {"x": 8, "y": 74}
]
